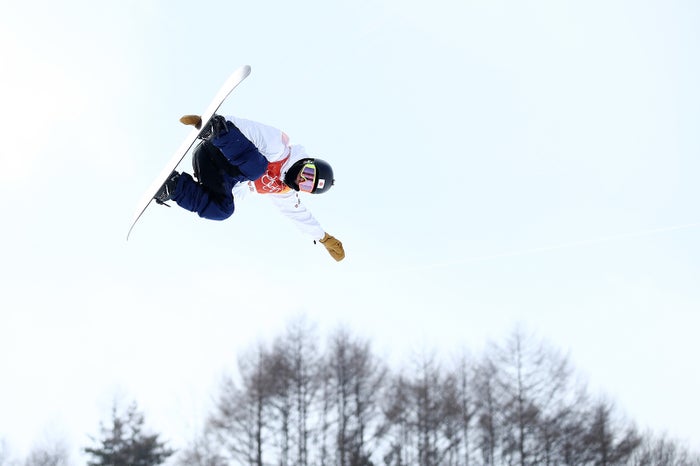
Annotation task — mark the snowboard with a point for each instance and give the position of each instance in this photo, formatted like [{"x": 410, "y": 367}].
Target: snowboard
[{"x": 234, "y": 80}]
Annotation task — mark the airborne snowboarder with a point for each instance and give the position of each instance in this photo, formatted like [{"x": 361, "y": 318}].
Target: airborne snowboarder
[{"x": 237, "y": 156}]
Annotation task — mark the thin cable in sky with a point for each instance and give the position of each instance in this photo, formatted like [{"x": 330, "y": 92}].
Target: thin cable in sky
[{"x": 575, "y": 244}]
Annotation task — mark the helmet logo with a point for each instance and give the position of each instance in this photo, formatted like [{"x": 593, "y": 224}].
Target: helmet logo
[{"x": 321, "y": 183}]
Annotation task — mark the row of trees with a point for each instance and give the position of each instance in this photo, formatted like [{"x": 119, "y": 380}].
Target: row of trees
[{"x": 295, "y": 403}]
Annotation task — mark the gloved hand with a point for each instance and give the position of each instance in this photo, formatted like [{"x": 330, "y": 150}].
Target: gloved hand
[
  {"x": 192, "y": 120},
  {"x": 334, "y": 247},
  {"x": 217, "y": 125}
]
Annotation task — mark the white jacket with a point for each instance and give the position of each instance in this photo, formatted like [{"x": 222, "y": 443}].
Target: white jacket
[{"x": 274, "y": 145}]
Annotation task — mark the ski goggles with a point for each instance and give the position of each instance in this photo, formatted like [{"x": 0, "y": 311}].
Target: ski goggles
[{"x": 307, "y": 178}]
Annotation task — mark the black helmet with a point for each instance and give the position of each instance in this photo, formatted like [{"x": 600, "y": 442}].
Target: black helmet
[{"x": 324, "y": 175}]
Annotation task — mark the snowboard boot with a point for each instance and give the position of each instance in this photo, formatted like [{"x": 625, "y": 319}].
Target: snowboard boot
[
  {"x": 165, "y": 193},
  {"x": 216, "y": 127}
]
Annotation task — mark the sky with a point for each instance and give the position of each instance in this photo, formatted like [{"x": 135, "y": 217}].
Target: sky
[{"x": 497, "y": 164}]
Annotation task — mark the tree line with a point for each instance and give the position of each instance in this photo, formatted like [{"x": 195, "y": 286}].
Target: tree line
[
  {"x": 519, "y": 403},
  {"x": 298, "y": 402}
]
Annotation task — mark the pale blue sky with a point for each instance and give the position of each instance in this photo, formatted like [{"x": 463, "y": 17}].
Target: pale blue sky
[{"x": 496, "y": 161}]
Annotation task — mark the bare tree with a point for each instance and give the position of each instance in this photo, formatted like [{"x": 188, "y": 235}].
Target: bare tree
[
  {"x": 325, "y": 418},
  {"x": 425, "y": 416},
  {"x": 369, "y": 375},
  {"x": 356, "y": 378},
  {"x": 203, "y": 451},
  {"x": 534, "y": 384},
  {"x": 464, "y": 378},
  {"x": 242, "y": 415},
  {"x": 661, "y": 451},
  {"x": 561, "y": 427},
  {"x": 281, "y": 401},
  {"x": 448, "y": 438},
  {"x": 398, "y": 423},
  {"x": 296, "y": 372},
  {"x": 488, "y": 409},
  {"x": 607, "y": 441},
  {"x": 428, "y": 414},
  {"x": 52, "y": 454}
]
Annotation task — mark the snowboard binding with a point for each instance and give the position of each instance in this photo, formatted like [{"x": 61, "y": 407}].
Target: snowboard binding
[{"x": 166, "y": 192}]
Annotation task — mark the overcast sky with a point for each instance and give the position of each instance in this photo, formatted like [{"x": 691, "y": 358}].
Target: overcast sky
[{"x": 497, "y": 162}]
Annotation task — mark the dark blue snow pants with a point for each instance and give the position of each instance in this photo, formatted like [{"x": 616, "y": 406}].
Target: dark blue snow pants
[{"x": 218, "y": 165}]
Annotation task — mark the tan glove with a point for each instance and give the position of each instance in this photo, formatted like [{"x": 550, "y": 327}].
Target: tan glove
[
  {"x": 192, "y": 120},
  {"x": 334, "y": 247}
]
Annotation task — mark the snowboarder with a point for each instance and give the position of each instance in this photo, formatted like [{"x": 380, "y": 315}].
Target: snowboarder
[{"x": 238, "y": 156}]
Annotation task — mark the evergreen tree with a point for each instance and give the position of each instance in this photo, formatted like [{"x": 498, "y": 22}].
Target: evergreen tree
[{"x": 124, "y": 442}]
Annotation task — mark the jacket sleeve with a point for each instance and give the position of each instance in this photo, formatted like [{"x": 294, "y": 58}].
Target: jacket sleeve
[{"x": 290, "y": 205}]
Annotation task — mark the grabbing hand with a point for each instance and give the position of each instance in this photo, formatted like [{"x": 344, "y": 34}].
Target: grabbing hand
[
  {"x": 192, "y": 120},
  {"x": 216, "y": 126},
  {"x": 334, "y": 247}
]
